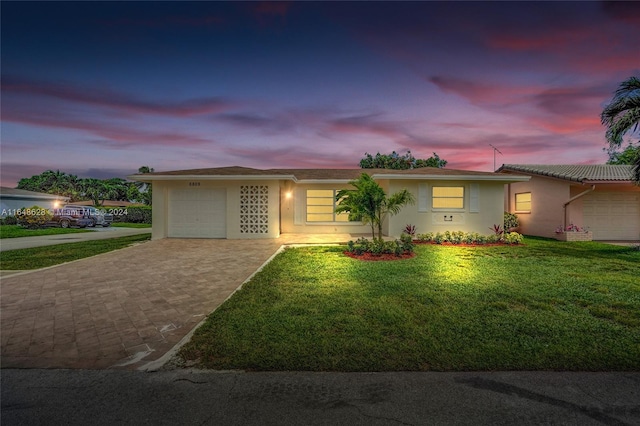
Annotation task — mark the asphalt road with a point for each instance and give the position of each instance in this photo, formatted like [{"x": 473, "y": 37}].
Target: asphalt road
[
  {"x": 187, "y": 397},
  {"x": 97, "y": 233}
]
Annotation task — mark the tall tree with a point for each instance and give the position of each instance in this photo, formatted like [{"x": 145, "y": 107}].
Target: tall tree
[
  {"x": 145, "y": 190},
  {"x": 50, "y": 182},
  {"x": 629, "y": 155},
  {"x": 622, "y": 115},
  {"x": 369, "y": 203},
  {"x": 399, "y": 162}
]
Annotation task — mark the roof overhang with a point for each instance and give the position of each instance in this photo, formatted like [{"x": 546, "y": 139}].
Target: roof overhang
[
  {"x": 501, "y": 178},
  {"x": 151, "y": 178},
  {"x": 488, "y": 177},
  {"x": 35, "y": 197}
]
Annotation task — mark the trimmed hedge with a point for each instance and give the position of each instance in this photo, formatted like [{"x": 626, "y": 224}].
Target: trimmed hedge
[{"x": 137, "y": 214}]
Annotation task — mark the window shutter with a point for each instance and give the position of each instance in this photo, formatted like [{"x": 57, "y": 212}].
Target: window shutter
[
  {"x": 423, "y": 197},
  {"x": 300, "y": 199},
  {"x": 474, "y": 198}
]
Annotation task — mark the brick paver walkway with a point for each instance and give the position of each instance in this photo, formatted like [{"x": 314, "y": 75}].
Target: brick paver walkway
[{"x": 126, "y": 308}]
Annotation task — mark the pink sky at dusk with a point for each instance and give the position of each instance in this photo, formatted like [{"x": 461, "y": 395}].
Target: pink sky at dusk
[{"x": 100, "y": 89}]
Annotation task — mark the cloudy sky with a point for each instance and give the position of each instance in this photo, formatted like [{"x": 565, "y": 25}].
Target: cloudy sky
[{"x": 100, "y": 89}]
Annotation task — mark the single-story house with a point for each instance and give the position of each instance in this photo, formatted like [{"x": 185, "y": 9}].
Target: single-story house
[
  {"x": 12, "y": 199},
  {"x": 600, "y": 198},
  {"x": 240, "y": 202}
]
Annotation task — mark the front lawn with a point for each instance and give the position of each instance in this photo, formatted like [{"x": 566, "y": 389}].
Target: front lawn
[
  {"x": 41, "y": 257},
  {"x": 17, "y": 231},
  {"x": 547, "y": 305}
]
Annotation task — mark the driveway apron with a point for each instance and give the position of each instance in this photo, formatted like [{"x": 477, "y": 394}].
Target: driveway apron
[{"x": 121, "y": 309}]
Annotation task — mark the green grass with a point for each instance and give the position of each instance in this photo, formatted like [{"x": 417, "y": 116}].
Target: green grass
[
  {"x": 546, "y": 305},
  {"x": 16, "y": 231},
  {"x": 130, "y": 225},
  {"x": 41, "y": 257}
]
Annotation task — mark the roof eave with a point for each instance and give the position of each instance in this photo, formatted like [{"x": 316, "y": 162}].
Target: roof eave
[
  {"x": 151, "y": 178},
  {"x": 495, "y": 178}
]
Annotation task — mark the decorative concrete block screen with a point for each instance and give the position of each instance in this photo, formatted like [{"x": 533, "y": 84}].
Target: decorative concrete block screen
[{"x": 254, "y": 209}]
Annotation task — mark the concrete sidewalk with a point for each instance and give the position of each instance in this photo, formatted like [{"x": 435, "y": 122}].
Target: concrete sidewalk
[
  {"x": 188, "y": 397},
  {"x": 50, "y": 240}
]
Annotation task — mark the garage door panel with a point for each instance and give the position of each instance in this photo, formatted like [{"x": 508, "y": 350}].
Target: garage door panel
[
  {"x": 197, "y": 213},
  {"x": 613, "y": 215}
]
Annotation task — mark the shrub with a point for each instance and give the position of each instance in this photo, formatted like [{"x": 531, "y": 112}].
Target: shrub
[
  {"x": 438, "y": 238},
  {"x": 137, "y": 214},
  {"x": 425, "y": 238},
  {"x": 33, "y": 217},
  {"x": 457, "y": 237},
  {"x": 406, "y": 244},
  {"x": 513, "y": 238},
  {"x": 10, "y": 220},
  {"x": 471, "y": 237},
  {"x": 491, "y": 239},
  {"x": 510, "y": 221},
  {"x": 409, "y": 229},
  {"x": 379, "y": 247}
]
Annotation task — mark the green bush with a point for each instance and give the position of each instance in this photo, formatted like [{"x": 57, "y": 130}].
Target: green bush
[
  {"x": 379, "y": 247},
  {"x": 510, "y": 221},
  {"x": 10, "y": 220},
  {"x": 137, "y": 214},
  {"x": 513, "y": 238},
  {"x": 425, "y": 238},
  {"x": 461, "y": 237},
  {"x": 33, "y": 217}
]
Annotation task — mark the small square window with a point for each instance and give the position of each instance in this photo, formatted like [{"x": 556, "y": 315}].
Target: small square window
[{"x": 523, "y": 202}]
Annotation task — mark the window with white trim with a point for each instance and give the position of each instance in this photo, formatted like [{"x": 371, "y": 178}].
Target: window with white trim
[
  {"x": 321, "y": 205},
  {"x": 523, "y": 202},
  {"x": 447, "y": 197}
]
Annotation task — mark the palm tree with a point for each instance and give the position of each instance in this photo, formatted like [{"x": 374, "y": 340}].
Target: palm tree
[
  {"x": 622, "y": 115},
  {"x": 369, "y": 203}
]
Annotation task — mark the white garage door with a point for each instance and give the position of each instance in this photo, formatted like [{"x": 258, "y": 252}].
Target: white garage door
[
  {"x": 613, "y": 215},
  {"x": 197, "y": 213}
]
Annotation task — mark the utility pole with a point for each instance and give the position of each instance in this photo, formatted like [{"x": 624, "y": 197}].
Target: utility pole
[{"x": 494, "y": 156}]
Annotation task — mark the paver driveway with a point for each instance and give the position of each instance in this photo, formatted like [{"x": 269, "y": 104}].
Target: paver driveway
[{"x": 121, "y": 309}]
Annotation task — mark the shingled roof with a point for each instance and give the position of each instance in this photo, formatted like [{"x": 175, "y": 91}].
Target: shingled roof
[
  {"x": 573, "y": 172},
  {"x": 314, "y": 174}
]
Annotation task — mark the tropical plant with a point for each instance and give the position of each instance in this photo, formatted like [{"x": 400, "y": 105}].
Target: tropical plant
[
  {"x": 622, "y": 115},
  {"x": 369, "y": 203},
  {"x": 497, "y": 230},
  {"x": 409, "y": 230}
]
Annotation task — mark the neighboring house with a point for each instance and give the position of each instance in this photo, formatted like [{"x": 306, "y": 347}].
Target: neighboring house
[
  {"x": 601, "y": 198},
  {"x": 12, "y": 200},
  {"x": 239, "y": 202}
]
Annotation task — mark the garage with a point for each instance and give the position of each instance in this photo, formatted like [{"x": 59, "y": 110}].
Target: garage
[
  {"x": 612, "y": 215},
  {"x": 197, "y": 213}
]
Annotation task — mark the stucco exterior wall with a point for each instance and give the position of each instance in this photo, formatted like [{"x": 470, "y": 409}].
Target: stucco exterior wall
[
  {"x": 160, "y": 214},
  {"x": 487, "y": 210},
  {"x": 293, "y": 212},
  {"x": 547, "y": 198}
]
